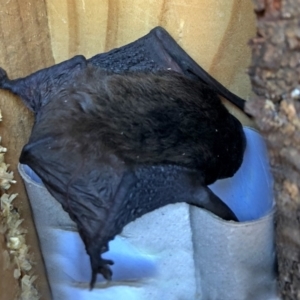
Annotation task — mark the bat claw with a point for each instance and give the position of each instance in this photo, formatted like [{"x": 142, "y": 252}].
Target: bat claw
[
  {"x": 105, "y": 270},
  {"x": 101, "y": 267}
]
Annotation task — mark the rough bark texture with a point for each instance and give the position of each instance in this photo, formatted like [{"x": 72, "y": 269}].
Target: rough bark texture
[{"x": 275, "y": 73}]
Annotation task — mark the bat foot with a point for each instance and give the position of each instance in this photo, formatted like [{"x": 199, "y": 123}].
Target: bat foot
[
  {"x": 100, "y": 266},
  {"x": 104, "y": 268}
]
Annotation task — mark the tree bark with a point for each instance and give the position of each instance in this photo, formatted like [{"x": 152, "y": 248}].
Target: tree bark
[{"x": 275, "y": 73}]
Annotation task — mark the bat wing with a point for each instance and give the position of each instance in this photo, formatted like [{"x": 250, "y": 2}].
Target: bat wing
[
  {"x": 36, "y": 89},
  {"x": 159, "y": 51},
  {"x": 155, "y": 51},
  {"x": 91, "y": 191},
  {"x": 103, "y": 195}
]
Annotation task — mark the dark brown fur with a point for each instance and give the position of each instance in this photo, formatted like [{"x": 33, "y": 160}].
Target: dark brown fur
[{"x": 149, "y": 118}]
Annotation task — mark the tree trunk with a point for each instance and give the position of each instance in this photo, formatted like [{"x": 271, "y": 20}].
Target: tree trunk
[{"x": 275, "y": 73}]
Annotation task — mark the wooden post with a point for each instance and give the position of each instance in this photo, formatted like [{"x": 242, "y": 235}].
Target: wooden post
[{"x": 24, "y": 47}]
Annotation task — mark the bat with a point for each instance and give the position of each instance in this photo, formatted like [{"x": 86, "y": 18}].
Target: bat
[{"x": 126, "y": 132}]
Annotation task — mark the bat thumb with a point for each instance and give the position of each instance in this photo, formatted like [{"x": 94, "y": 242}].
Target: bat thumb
[{"x": 4, "y": 81}]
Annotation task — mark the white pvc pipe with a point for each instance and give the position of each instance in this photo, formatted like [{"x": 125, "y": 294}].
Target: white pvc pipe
[{"x": 175, "y": 252}]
